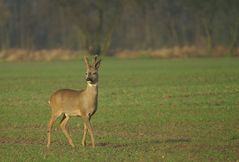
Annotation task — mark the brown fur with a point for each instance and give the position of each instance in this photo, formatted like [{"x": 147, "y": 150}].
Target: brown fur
[{"x": 81, "y": 103}]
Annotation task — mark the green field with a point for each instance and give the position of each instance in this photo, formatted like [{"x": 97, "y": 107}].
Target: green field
[{"x": 149, "y": 110}]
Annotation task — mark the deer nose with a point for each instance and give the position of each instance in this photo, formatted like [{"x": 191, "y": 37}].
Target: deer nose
[{"x": 88, "y": 79}]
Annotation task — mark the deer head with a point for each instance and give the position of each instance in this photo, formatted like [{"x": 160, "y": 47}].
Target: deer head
[{"x": 92, "y": 70}]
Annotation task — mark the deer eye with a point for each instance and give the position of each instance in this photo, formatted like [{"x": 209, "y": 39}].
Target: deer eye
[{"x": 94, "y": 73}]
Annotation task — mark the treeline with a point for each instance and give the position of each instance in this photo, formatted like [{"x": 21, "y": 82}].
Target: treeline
[{"x": 108, "y": 25}]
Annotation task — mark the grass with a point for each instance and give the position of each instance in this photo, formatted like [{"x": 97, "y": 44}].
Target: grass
[{"x": 149, "y": 110}]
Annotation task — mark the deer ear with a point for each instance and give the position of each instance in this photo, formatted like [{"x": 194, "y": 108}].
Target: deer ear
[
  {"x": 86, "y": 61},
  {"x": 97, "y": 64}
]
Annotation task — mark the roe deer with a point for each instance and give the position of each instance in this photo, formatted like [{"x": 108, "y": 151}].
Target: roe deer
[{"x": 82, "y": 103}]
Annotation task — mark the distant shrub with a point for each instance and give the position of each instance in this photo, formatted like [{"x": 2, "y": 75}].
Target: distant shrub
[
  {"x": 185, "y": 51},
  {"x": 48, "y": 55},
  {"x": 61, "y": 54}
]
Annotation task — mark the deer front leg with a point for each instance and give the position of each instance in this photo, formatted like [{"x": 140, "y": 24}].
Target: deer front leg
[
  {"x": 89, "y": 127},
  {"x": 64, "y": 130},
  {"x": 51, "y": 122},
  {"x": 84, "y": 135}
]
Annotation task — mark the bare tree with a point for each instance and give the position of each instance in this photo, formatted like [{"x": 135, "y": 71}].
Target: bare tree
[{"x": 94, "y": 21}]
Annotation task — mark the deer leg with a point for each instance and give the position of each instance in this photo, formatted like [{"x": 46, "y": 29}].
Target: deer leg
[
  {"x": 51, "y": 122},
  {"x": 84, "y": 135},
  {"x": 64, "y": 130},
  {"x": 89, "y": 127}
]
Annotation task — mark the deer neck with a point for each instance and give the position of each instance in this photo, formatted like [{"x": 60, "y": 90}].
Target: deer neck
[{"x": 92, "y": 89}]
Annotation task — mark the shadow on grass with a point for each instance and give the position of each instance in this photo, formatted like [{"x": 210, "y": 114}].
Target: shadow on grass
[
  {"x": 152, "y": 142},
  {"x": 113, "y": 145},
  {"x": 180, "y": 140},
  {"x": 235, "y": 137}
]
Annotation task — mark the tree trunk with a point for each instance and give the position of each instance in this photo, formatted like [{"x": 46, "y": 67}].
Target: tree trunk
[
  {"x": 108, "y": 34},
  {"x": 235, "y": 34},
  {"x": 208, "y": 31},
  {"x": 174, "y": 33}
]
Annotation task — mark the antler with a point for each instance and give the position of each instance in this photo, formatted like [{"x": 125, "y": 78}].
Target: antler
[
  {"x": 95, "y": 60},
  {"x": 86, "y": 61}
]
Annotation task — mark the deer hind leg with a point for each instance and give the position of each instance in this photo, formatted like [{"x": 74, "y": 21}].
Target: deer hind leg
[
  {"x": 64, "y": 130},
  {"x": 84, "y": 135},
  {"x": 90, "y": 129},
  {"x": 51, "y": 122}
]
